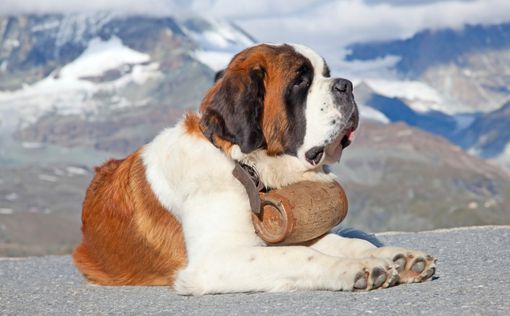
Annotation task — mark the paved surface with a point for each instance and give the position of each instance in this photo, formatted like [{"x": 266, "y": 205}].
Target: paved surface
[{"x": 473, "y": 278}]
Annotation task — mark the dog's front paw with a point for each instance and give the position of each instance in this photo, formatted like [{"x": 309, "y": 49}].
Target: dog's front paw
[
  {"x": 374, "y": 274},
  {"x": 412, "y": 265}
]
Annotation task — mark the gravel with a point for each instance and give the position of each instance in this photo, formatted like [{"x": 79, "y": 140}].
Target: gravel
[{"x": 473, "y": 278}]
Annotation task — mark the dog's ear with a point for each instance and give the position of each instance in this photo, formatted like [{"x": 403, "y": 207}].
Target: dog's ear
[
  {"x": 219, "y": 75},
  {"x": 234, "y": 109}
]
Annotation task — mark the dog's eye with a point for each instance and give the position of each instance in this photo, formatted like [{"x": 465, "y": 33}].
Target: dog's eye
[
  {"x": 302, "y": 78},
  {"x": 301, "y": 81}
]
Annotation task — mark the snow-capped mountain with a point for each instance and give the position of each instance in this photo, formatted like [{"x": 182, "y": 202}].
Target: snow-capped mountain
[
  {"x": 447, "y": 82},
  {"x": 489, "y": 136},
  {"x": 467, "y": 69},
  {"x": 218, "y": 40},
  {"x": 62, "y": 73},
  {"x": 397, "y": 176},
  {"x": 78, "y": 89}
]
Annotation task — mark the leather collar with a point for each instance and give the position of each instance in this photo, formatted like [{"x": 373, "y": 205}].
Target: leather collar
[{"x": 250, "y": 179}]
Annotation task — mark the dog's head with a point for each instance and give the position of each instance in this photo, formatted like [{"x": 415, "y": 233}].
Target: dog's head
[{"x": 281, "y": 99}]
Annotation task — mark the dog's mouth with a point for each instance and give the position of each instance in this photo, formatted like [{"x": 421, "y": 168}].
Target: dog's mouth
[
  {"x": 333, "y": 151},
  {"x": 346, "y": 138},
  {"x": 342, "y": 141},
  {"x": 315, "y": 155}
]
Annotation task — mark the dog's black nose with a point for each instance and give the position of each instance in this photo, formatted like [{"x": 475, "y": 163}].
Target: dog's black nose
[{"x": 341, "y": 85}]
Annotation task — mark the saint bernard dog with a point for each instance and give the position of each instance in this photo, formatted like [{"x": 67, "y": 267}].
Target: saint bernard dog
[{"x": 172, "y": 213}]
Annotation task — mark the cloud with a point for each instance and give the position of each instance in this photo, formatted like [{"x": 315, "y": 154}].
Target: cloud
[
  {"x": 13, "y": 7},
  {"x": 218, "y": 8},
  {"x": 326, "y": 25},
  {"x": 334, "y": 24}
]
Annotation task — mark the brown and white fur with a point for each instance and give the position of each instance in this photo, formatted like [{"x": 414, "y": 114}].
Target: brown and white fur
[{"x": 172, "y": 214}]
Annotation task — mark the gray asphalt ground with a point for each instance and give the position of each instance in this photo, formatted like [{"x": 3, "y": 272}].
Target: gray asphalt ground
[{"x": 473, "y": 278}]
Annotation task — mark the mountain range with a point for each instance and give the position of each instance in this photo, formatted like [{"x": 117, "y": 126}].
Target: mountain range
[
  {"x": 452, "y": 83},
  {"x": 78, "y": 89},
  {"x": 468, "y": 67}
]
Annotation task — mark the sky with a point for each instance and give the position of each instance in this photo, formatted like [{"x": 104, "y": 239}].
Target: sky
[{"x": 325, "y": 25}]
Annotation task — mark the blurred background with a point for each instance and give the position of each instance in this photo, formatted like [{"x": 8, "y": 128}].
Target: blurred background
[{"x": 84, "y": 81}]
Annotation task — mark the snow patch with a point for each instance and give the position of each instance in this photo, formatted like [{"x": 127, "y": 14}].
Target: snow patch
[
  {"x": 503, "y": 159},
  {"x": 221, "y": 35},
  {"x": 355, "y": 70},
  {"x": 32, "y": 145},
  {"x": 45, "y": 177},
  {"x": 65, "y": 95},
  {"x": 45, "y": 26},
  {"x": 77, "y": 27},
  {"x": 11, "y": 196},
  {"x": 215, "y": 60},
  {"x": 69, "y": 92},
  {"x": 420, "y": 96},
  {"x": 11, "y": 43},
  {"x": 370, "y": 113},
  {"x": 218, "y": 43},
  {"x": 410, "y": 90},
  {"x": 139, "y": 74},
  {"x": 6, "y": 211},
  {"x": 464, "y": 120},
  {"x": 76, "y": 171},
  {"x": 101, "y": 56}
]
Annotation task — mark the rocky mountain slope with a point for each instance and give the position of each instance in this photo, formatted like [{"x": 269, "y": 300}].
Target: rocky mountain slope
[
  {"x": 482, "y": 134},
  {"x": 78, "y": 89},
  {"x": 468, "y": 67},
  {"x": 93, "y": 79},
  {"x": 452, "y": 83},
  {"x": 392, "y": 169},
  {"x": 40, "y": 208}
]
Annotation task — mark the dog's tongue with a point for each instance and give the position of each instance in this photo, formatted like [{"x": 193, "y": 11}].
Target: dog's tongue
[
  {"x": 334, "y": 150},
  {"x": 351, "y": 135}
]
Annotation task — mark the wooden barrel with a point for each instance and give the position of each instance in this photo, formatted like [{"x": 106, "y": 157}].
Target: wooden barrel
[{"x": 300, "y": 212}]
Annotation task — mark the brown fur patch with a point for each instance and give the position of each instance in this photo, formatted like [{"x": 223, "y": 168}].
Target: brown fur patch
[
  {"x": 224, "y": 145},
  {"x": 192, "y": 125},
  {"x": 280, "y": 64},
  {"x": 128, "y": 237}
]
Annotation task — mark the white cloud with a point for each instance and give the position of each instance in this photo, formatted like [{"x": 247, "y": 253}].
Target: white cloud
[
  {"x": 334, "y": 24},
  {"x": 325, "y": 25},
  {"x": 153, "y": 7}
]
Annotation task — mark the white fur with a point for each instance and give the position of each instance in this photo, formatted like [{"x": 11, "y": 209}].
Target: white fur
[
  {"x": 279, "y": 171},
  {"x": 324, "y": 120},
  {"x": 193, "y": 180}
]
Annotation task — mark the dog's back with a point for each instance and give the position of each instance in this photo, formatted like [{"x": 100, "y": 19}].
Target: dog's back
[{"x": 117, "y": 246}]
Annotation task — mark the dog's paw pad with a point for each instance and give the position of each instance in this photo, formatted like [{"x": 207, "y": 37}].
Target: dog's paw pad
[
  {"x": 430, "y": 273},
  {"x": 418, "y": 265},
  {"x": 422, "y": 268},
  {"x": 400, "y": 262},
  {"x": 376, "y": 274},
  {"x": 361, "y": 281},
  {"x": 378, "y": 277},
  {"x": 412, "y": 265}
]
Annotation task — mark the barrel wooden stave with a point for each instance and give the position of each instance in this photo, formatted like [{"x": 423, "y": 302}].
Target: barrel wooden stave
[{"x": 300, "y": 212}]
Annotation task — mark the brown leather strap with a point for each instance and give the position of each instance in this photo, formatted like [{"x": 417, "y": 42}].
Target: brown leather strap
[{"x": 252, "y": 184}]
